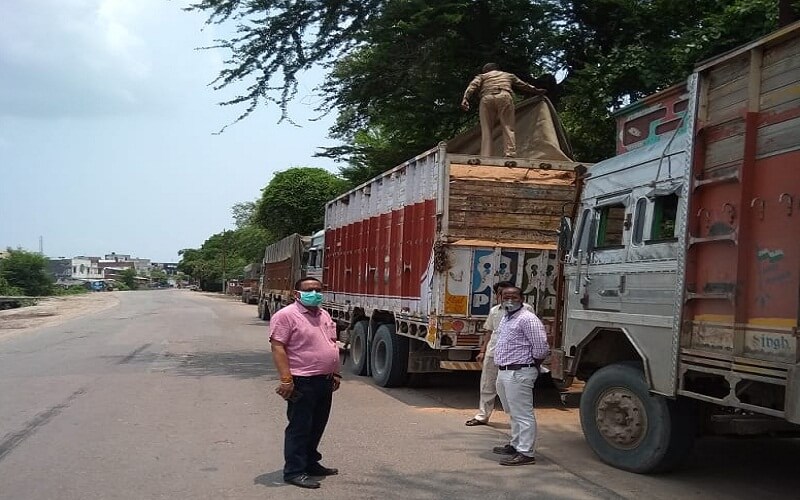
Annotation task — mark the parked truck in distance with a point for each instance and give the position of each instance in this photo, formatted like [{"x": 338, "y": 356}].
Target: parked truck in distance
[
  {"x": 682, "y": 269},
  {"x": 250, "y": 283},
  {"x": 285, "y": 262},
  {"x": 411, "y": 255}
]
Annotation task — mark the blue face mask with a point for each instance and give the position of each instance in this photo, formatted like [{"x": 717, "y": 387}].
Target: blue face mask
[{"x": 311, "y": 298}]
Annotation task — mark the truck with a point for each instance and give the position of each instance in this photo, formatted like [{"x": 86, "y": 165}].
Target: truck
[
  {"x": 682, "y": 266},
  {"x": 285, "y": 261},
  {"x": 250, "y": 282},
  {"x": 411, "y": 255}
]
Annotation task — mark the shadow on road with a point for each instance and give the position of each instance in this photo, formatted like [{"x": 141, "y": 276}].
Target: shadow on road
[{"x": 238, "y": 364}]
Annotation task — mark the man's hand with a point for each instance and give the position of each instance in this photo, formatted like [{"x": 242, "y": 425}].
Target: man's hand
[
  {"x": 285, "y": 390},
  {"x": 336, "y": 383},
  {"x": 465, "y": 104},
  {"x": 479, "y": 358}
]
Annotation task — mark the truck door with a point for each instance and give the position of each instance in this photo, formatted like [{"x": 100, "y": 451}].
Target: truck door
[{"x": 601, "y": 255}]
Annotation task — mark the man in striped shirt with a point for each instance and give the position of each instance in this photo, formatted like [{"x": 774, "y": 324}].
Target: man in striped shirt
[{"x": 521, "y": 348}]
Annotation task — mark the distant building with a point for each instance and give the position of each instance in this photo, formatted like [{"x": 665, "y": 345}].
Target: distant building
[
  {"x": 117, "y": 257},
  {"x": 171, "y": 268}
]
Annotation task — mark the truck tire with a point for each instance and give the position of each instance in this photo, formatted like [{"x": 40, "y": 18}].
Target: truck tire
[
  {"x": 263, "y": 310},
  {"x": 629, "y": 428},
  {"x": 359, "y": 348},
  {"x": 389, "y": 360}
]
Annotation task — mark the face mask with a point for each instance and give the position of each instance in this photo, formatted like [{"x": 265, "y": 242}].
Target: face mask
[
  {"x": 511, "y": 306},
  {"x": 311, "y": 299}
]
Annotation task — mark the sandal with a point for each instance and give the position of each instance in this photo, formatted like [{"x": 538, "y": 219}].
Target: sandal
[{"x": 474, "y": 421}]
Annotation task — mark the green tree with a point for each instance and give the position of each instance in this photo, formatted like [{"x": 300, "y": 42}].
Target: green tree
[
  {"x": 397, "y": 67},
  {"x": 294, "y": 201},
  {"x": 128, "y": 277},
  {"x": 243, "y": 213},
  {"x": 27, "y": 272}
]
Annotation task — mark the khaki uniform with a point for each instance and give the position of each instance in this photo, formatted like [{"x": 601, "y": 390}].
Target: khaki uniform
[{"x": 497, "y": 103}]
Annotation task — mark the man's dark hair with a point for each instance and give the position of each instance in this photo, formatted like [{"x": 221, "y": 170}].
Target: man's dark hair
[
  {"x": 501, "y": 284},
  {"x": 303, "y": 280},
  {"x": 515, "y": 288},
  {"x": 490, "y": 67}
]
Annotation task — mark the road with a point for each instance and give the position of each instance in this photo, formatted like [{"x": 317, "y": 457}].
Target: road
[{"x": 170, "y": 395}]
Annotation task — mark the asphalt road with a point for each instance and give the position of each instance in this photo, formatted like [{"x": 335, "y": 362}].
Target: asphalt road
[{"x": 170, "y": 395}]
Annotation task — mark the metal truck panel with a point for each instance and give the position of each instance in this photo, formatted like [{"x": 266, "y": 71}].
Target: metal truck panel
[{"x": 739, "y": 319}]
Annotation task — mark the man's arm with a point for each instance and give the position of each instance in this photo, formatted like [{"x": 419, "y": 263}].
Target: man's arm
[
  {"x": 471, "y": 88},
  {"x": 522, "y": 86},
  {"x": 537, "y": 336},
  {"x": 281, "y": 361}
]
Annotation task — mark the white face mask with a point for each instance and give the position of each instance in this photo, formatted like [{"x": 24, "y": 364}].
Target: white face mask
[{"x": 511, "y": 306}]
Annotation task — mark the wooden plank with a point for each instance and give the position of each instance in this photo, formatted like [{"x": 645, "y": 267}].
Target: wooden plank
[
  {"x": 505, "y": 205},
  {"x": 500, "y": 190},
  {"x": 479, "y": 220},
  {"x": 736, "y": 99},
  {"x": 505, "y": 234},
  {"x": 780, "y": 75},
  {"x": 754, "y": 80},
  {"x": 724, "y": 151},
  {"x": 728, "y": 72},
  {"x": 776, "y": 54},
  {"x": 778, "y": 138},
  {"x": 779, "y": 96}
]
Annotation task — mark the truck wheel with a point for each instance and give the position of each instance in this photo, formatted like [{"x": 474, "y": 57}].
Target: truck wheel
[
  {"x": 629, "y": 428},
  {"x": 389, "y": 358},
  {"x": 263, "y": 310},
  {"x": 359, "y": 348}
]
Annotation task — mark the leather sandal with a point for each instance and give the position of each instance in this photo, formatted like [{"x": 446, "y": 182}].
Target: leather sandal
[{"x": 474, "y": 421}]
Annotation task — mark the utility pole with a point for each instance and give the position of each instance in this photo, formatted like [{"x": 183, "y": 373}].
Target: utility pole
[{"x": 224, "y": 255}]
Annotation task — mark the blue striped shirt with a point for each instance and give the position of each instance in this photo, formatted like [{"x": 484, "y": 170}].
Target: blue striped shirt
[{"x": 521, "y": 339}]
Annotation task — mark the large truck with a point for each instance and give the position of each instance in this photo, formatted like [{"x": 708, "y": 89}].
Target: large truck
[
  {"x": 411, "y": 255},
  {"x": 682, "y": 270},
  {"x": 285, "y": 261}
]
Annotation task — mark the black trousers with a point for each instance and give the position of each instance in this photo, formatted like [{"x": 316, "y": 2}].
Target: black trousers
[{"x": 308, "y": 417}]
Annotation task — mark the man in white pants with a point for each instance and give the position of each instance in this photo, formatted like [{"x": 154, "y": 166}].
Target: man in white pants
[
  {"x": 521, "y": 348},
  {"x": 488, "y": 389}
]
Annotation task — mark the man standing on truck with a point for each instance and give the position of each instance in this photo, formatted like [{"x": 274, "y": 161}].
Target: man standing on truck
[
  {"x": 303, "y": 338},
  {"x": 488, "y": 389},
  {"x": 496, "y": 88},
  {"x": 521, "y": 348}
]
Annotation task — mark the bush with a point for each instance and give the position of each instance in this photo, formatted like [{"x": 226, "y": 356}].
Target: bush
[
  {"x": 70, "y": 290},
  {"x": 27, "y": 272},
  {"x": 7, "y": 290}
]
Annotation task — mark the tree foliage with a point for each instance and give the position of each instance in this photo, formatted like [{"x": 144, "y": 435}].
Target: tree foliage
[
  {"x": 26, "y": 272},
  {"x": 128, "y": 278},
  {"x": 397, "y": 67},
  {"x": 294, "y": 201}
]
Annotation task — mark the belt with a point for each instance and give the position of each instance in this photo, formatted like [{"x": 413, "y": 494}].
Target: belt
[
  {"x": 328, "y": 376},
  {"x": 517, "y": 366}
]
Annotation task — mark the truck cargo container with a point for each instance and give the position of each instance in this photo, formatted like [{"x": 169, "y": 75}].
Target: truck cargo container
[
  {"x": 411, "y": 256},
  {"x": 285, "y": 262},
  {"x": 683, "y": 270}
]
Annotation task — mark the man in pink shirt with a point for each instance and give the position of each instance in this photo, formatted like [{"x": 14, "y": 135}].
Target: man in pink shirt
[{"x": 303, "y": 338}]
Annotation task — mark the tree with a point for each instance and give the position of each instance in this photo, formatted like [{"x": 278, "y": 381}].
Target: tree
[
  {"x": 128, "y": 277},
  {"x": 397, "y": 67},
  {"x": 294, "y": 201},
  {"x": 243, "y": 213},
  {"x": 6, "y": 288},
  {"x": 27, "y": 272}
]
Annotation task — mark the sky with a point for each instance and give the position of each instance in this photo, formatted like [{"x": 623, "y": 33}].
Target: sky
[{"x": 107, "y": 124}]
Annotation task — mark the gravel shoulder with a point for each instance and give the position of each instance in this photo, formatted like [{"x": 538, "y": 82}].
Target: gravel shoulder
[{"x": 54, "y": 311}]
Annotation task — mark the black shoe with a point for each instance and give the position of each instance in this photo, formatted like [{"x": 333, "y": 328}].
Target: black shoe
[
  {"x": 321, "y": 470},
  {"x": 504, "y": 450},
  {"x": 518, "y": 459},
  {"x": 302, "y": 481}
]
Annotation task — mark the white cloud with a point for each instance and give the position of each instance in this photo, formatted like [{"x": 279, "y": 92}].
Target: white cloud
[{"x": 87, "y": 57}]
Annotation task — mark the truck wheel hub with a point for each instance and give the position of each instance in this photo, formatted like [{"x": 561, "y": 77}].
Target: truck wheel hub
[{"x": 621, "y": 418}]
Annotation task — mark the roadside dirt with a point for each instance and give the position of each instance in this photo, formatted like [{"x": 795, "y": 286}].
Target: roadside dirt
[{"x": 54, "y": 311}]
